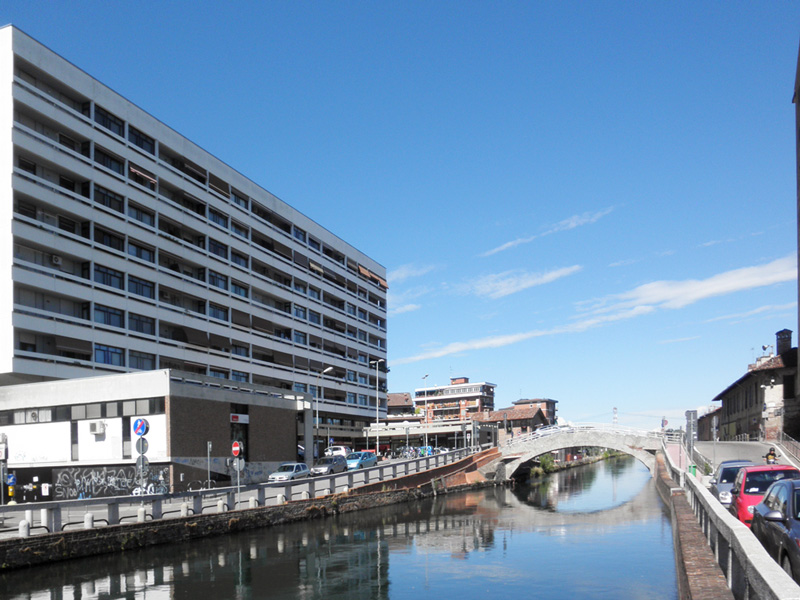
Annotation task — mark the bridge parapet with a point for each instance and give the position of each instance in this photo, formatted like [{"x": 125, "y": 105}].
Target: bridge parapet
[{"x": 640, "y": 444}]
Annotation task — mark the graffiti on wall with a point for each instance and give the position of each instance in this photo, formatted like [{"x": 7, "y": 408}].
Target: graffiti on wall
[{"x": 74, "y": 483}]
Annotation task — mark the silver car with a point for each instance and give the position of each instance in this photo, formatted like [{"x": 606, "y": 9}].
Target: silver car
[
  {"x": 722, "y": 482},
  {"x": 288, "y": 471},
  {"x": 329, "y": 465}
]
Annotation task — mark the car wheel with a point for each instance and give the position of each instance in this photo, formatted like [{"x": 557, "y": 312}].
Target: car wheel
[{"x": 787, "y": 566}]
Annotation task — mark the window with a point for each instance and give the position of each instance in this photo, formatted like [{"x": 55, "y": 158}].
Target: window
[
  {"x": 299, "y": 312},
  {"x": 240, "y": 230},
  {"x": 109, "y": 121},
  {"x": 240, "y": 376},
  {"x": 109, "y": 277},
  {"x": 217, "y": 312},
  {"x": 66, "y": 183},
  {"x": 217, "y": 248},
  {"x": 141, "y": 214},
  {"x": 300, "y": 234},
  {"x": 144, "y": 178},
  {"x": 362, "y": 335},
  {"x": 145, "y": 142},
  {"x": 314, "y": 244},
  {"x": 299, "y": 286},
  {"x": 141, "y": 324},
  {"x": 240, "y": 289},
  {"x": 240, "y": 350},
  {"x": 140, "y": 251},
  {"x": 239, "y": 259},
  {"x": 27, "y": 165},
  {"x": 142, "y": 360},
  {"x": 314, "y": 317},
  {"x": 217, "y": 280},
  {"x": 109, "y": 355},
  {"x": 300, "y": 387},
  {"x": 351, "y": 376},
  {"x": 109, "y": 316},
  {"x": 218, "y": 373},
  {"x": 351, "y": 310},
  {"x": 313, "y": 293},
  {"x": 240, "y": 200},
  {"x": 101, "y": 236},
  {"x": 141, "y": 287},
  {"x": 109, "y": 161},
  {"x": 300, "y": 337},
  {"x": 218, "y": 218},
  {"x": 351, "y": 397},
  {"x": 108, "y": 198}
]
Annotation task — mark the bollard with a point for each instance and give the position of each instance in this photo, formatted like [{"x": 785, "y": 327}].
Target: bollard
[
  {"x": 44, "y": 517},
  {"x": 24, "y": 529},
  {"x": 220, "y": 506},
  {"x": 141, "y": 515},
  {"x": 29, "y": 516},
  {"x": 305, "y": 495},
  {"x": 252, "y": 503},
  {"x": 185, "y": 509},
  {"x": 281, "y": 499},
  {"x": 88, "y": 521}
]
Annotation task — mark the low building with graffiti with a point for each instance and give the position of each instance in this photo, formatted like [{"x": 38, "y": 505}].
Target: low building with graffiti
[{"x": 146, "y": 432}]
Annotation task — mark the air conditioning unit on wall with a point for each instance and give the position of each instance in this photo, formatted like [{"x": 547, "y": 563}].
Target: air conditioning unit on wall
[
  {"x": 55, "y": 259},
  {"x": 97, "y": 428}
]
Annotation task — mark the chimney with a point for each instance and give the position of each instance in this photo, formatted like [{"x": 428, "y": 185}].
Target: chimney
[{"x": 783, "y": 341}]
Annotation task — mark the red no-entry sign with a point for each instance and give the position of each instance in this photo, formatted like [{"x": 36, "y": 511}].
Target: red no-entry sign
[{"x": 236, "y": 448}]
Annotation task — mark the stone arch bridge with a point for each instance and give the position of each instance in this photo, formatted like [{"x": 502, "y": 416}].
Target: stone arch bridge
[{"x": 640, "y": 444}]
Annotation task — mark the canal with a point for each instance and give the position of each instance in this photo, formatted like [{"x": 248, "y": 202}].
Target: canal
[{"x": 595, "y": 532}]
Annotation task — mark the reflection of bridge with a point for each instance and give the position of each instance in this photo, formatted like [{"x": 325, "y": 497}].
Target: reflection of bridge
[{"x": 642, "y": 445}]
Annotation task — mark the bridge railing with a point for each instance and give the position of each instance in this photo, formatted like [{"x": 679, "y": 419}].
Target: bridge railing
[
  {"x": 576, "y": 427},
  {"x": 750, "y": 572}
]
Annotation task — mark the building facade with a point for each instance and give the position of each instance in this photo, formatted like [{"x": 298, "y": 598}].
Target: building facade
[
  {"x": 761, "y": 404},
  {"x": 458, "y": 401},
  {"x": 130, "y": 248}
]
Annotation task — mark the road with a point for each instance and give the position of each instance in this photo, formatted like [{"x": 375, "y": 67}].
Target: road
[{"x": 716, "y": 452}]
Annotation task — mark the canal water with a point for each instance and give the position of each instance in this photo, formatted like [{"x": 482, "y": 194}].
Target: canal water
[{"x": 594, "y": 532}]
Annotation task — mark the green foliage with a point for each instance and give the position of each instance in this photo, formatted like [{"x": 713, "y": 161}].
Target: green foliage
[{"x": 547, "y": 463}]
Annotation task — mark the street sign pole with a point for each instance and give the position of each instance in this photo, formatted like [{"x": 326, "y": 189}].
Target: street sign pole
[{"x": 208, "y": 481}]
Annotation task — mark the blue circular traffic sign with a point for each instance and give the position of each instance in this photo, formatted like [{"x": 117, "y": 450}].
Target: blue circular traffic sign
[{"x": 141, "y": 427}]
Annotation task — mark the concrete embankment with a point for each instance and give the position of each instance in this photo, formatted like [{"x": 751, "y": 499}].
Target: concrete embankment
[
  {"x": 699, "y": 575},
  {"x": 25, "y": 552}
]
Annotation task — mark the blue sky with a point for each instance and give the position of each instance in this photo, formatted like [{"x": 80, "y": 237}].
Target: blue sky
[{"x": 593, "y": 202}]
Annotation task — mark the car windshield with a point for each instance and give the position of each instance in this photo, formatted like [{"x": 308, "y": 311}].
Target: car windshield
[
  {"x": 354, "y": 456},
  {"x": 729, "y": 474},
  {"x": 758, "y": 482},
  {"x": 325, "y": 461},
  {"x": 285, "y": 469}
]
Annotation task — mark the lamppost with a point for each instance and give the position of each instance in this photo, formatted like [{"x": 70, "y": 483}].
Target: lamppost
[
  {"x": 377, "y": 407},
  {"x": 424, "y": 377},
  {"x": 316, "y": 410}
]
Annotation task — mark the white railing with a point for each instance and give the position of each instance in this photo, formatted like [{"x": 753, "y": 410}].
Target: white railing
[{"x": 581, "y": 427}]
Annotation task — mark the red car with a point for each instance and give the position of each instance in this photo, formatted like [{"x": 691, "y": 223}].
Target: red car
[{"x": 750, "y": 485}]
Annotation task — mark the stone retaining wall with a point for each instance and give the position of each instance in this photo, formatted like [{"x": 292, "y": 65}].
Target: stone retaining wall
[{"x": 699, "y": 575}]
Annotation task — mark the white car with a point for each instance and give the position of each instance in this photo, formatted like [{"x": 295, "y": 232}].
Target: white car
[
  {"x": 288, "y": 471},
  {"x": 337, "y": 451}
]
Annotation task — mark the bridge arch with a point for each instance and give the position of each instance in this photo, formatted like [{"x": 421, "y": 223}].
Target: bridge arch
[{"x": 641, "y": 445}]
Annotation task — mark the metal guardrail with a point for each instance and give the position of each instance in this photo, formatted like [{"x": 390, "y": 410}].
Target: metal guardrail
[
  {"x": 749, "y": 570},
  {"x": 121, "y": 508}
]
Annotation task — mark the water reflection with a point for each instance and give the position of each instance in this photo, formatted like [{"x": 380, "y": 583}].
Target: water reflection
[{"x": 470, "y": 544}]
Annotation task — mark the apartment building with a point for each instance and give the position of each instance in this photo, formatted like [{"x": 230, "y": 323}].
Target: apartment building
[
  {"x": 459, "y": 400},
  {"x": 130, "y": 248}
]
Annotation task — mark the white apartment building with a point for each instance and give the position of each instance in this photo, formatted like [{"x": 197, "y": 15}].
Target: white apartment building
[{"x": 125, "y": 246}]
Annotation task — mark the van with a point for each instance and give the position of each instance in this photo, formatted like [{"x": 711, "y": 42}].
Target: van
[{"x": 337, "y": 451}]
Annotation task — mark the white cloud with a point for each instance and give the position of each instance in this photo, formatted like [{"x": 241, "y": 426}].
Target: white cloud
[
  {"x": 408, "y": 271},
  {"x": 640, "y": 301},
  {"x": 571, "y": 223},
  {"x": 404, "y": 309},
  {"x": 768, "y": 309},
  {"x": 498, "y": 285}
]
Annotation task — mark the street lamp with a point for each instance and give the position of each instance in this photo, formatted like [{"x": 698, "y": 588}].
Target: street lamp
[
  {"x": 316, "y": 410},
  {"x": 377, "y": 407},
  {"x": 424, "y": 377}
]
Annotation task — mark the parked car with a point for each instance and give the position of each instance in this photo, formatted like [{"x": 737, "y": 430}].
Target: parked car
[
  {"x": 776, "y": 524},
  {"x": 290, "y": 470},
  {"x": 337, "y": 451},
  {"x": 329, "y": 465},
  {"x": 722, "y": 481},
  {"x": 750, "y": 485},
  {"x": 361, "y": 460}
]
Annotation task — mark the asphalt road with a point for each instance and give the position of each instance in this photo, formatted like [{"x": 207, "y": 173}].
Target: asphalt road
[{"x": 716, "y": 452}]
